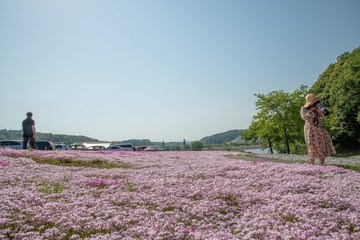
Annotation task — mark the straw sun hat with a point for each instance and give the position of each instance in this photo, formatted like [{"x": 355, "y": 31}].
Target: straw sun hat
[{"x": 310, "y": 100}]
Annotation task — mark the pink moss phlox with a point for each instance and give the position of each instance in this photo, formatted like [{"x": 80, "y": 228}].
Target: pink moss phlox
[
  {"x": 4, "y": 164},
  {"x": 102, "y": 182},
  {"x": 175, "y": 195}
]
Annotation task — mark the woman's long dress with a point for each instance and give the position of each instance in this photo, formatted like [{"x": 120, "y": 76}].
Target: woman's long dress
[{"x": 318, "y": 140}]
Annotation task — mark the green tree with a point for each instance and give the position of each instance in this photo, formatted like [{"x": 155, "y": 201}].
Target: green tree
[
  {"x": 265, "y": 132},
  {"x": 176, "y": 148},
  {"x": 339, "y": 89},
  {"x": 278, "y": 119},
  {"x": 187, "y": 147},
  {"x": 197, "y": 146}
]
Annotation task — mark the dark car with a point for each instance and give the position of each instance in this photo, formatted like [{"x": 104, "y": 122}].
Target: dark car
[
  {"x": 44, "y": 145},
  {"x": 11, "y": 144},
  {"x": 126, "y": 147}
]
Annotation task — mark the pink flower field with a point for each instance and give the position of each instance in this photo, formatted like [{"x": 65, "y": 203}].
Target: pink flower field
[{"x": 172, "y": 195}]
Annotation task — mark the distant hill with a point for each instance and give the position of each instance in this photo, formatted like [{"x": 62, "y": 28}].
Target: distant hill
[
  {"x": 225, "y": 137},
  {"x": 67, "y": 139},
  {"x": 135, "y": 142}
]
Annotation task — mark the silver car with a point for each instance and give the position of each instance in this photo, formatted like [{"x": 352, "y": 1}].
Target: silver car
[
  {"x": 61, "y": 147},
  {"x": 114, "y": 148},
  {"x": 11, "y": 144}
]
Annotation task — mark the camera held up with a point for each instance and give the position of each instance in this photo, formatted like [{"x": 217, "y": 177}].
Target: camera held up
[{"x": 322, "y": 108}]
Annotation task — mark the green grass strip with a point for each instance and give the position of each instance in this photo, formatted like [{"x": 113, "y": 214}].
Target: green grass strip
[
  {"x": 78, "y": 163},
  {"x": 351, "y": 167}
]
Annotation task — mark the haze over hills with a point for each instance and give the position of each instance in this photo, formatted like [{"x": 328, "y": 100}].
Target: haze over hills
[
  {"x": 219, "y": 138},
  {"x": 225, "y": 137}
]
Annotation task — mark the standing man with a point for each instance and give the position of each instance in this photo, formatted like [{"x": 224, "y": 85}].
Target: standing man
[{"x": 28, "y": 126}]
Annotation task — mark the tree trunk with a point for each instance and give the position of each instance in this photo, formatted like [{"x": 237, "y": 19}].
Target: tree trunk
[
  {"x": 270, "y": 146},
  {"x": 286, "y": 142}
]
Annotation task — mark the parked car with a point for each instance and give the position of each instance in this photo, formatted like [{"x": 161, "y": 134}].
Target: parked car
[
  {"x": 153, "y": 148},
  {"x": 140, "y": 148},
  {"x": 126, "y": 147},
  {"x": 96, "y": 148},
  {"x": 114, "y": 148},
  {"x": 44, "y": 145},
  {"x": 61, "y": 147},
  {"x": 11, "y": 144},
  {"x": 77, "y": 147}
]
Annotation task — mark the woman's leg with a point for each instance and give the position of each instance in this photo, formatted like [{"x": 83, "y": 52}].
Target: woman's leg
[
  {"x": 322, "y": 160},
  {"x": 312, "y": 160}
]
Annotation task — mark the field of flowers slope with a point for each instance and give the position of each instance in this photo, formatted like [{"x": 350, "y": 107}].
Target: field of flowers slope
[{"x": 172, "y": 195}]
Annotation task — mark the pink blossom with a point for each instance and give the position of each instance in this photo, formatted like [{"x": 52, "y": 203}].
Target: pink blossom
[
  {"x": 4, "y": 164},
  {"x": 161, "y": 197}
]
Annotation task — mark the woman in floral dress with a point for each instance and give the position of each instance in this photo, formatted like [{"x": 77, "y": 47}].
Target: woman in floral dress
[{"x": 318, "y": 140}]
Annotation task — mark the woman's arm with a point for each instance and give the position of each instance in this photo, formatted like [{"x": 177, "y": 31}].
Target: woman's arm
[{"x": 307, "y": 114}]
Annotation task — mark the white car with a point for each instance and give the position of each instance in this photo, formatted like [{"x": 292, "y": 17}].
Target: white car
[
  {"x": 11, "y": 144},
  {"x": 96, "y": 148},
  {"x": 153, "y": 149}
]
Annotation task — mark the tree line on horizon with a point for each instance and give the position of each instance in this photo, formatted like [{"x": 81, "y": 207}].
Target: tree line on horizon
[
  {"x": 278, "y": 124},
  {"x": 214, "y": 140}
]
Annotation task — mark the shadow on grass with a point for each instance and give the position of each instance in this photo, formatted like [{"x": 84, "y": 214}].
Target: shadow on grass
[{"x": 78, "y": 163}]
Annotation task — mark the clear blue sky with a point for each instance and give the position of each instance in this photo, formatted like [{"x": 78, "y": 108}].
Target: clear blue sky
[{"x": 165, "y": 70}]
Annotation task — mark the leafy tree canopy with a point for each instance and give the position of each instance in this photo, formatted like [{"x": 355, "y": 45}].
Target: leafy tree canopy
[
  {"x": 339, "y": 89},
  {"x": 278, "y": 120},
  {"x": 197, "y": 146}
]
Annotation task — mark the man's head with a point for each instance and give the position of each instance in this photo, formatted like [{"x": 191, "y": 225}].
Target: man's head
[{"x": 29, "y": 114}]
